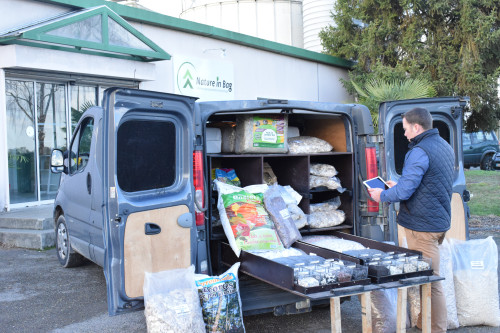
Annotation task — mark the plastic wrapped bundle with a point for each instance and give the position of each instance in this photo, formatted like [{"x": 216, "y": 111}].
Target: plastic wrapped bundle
[
  {"x": 475, "y": 276},
  {"x": 280, "y": 215},
  {"x": 171, "y": 302},
  {"x": 331, "y": 183},
  {"x": 261, "y": 134},
  {"x": 326, "y": 219},
  {"x": 323, "y": 170},
  {"x": 308, "y": 145},
  {"x": 333, "y": 243}
]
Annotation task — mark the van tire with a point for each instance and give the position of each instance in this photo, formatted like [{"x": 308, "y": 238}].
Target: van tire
[
  {"x": 66, "y": 255},
  {"x": 487, "y": 162}
]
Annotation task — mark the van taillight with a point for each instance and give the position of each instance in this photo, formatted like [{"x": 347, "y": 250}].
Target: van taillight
[
  {"x": 199, "y": 190},
  {"x": 371, "y": 172}
]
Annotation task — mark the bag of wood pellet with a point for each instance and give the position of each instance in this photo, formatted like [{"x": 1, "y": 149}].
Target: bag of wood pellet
[
  {"x": 475, "y": 275},
  {"x": 220, "y": 301},
  {"x": 171, "y": 302}
]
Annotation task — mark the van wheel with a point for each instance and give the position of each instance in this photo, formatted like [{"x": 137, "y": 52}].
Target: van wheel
[
  {"x": 487, "y": 162},
  {"x": 67, "y": 257}
]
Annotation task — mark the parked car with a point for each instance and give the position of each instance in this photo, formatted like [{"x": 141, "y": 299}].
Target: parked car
[
  {"x": 496, "y": 162},
  {"x": 143, "y": 202},
  {"x": 479, "y": 149}
]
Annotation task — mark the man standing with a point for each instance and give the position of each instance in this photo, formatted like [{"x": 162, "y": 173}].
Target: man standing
[{"x": 424, "y": 191}]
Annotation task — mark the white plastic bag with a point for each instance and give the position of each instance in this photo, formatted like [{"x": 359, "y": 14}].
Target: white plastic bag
[
  {"x": 333, "y": 243},
  {"x": 308, "y": 145},
  {"x": 446, "y": 271},
  {"x": 475, "y": 264},
  {"x": 171, "y": 302},
  {"x": 384, "y": 311},
  {"x": 220, "y": 301},
  {"x": 323, "y": 170}
]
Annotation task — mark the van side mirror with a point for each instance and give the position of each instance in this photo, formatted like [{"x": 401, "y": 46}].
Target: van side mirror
[{"x": 57, "y": 161}]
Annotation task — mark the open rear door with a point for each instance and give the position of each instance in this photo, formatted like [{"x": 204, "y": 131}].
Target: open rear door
[
  {"x": 149, "y": 216},
  {"x": 447, "y": 114}
]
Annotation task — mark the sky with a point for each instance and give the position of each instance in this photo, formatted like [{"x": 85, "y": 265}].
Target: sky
[{"x": 167, "y": 7}]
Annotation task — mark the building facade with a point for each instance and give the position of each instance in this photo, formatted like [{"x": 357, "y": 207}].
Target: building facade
[{"x": 56, "y": 59}]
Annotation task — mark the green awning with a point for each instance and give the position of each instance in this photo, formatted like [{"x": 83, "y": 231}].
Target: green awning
[{"x": 98, "y": 31}]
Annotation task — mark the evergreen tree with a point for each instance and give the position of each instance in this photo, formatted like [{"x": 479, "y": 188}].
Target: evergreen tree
[{"x": 454, "y": 44}]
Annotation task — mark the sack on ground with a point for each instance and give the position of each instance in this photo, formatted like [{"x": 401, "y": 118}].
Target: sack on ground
[
  {"x": 171, "y": 302},
  {"x": 446, "y": 271},
  {"x": 220, "y": 301},
  {"x": 475, "y": 275},
  {"x": 244, "y": 219}
]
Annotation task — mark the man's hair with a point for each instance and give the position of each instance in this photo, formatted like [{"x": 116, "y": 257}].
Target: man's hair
[{"x": 419, "y": 116}]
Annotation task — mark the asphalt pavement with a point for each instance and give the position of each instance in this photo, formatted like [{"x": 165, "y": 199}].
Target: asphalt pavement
[{"x": 38, "y": 295}]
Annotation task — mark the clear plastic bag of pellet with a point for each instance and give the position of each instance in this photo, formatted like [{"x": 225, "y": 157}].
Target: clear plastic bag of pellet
[
  {"x": 322, "y": 170},
  {"x": 326, "y": 206},
  {"x": 308, "y": 145},
  {"x": 331, "y": 183},
  {"x": 171, "y": 302},
  {"x": 323, "y": 219}
]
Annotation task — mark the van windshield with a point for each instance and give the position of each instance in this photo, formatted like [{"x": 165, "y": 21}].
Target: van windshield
[{"x": 146, "y": 155}]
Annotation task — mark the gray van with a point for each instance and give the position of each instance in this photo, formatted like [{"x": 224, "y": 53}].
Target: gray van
[{"x": 135, "y": 194}]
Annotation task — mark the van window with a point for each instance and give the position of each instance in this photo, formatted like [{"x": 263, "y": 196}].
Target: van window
[
  {"x": 80, "y": 148},
  {"x": 488, "y": 136},
  {"x": 146, "y": 155},
  {"x": 401, "y": 143},
  {"x": 466, "y": 139}
]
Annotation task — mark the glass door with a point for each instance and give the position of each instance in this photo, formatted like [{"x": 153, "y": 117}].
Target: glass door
[
  {"x": 21, "y": 141},
  {"x": 51, "y": 133},
  {"x": 36, "y": 116}
]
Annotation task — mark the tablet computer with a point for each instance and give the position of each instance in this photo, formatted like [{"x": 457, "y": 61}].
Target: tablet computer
[{"x": 376, "y": 182}]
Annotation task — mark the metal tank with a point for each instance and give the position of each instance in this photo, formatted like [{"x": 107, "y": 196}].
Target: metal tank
[
  {"x": 316, "y": 16},
  {"x": 278, "y": 20}
]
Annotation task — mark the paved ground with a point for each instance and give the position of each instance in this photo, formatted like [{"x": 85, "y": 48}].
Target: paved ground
[{"x": 38, "y": 295}]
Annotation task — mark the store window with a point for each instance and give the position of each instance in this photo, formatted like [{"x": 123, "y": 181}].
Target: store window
[{"x": 38, "y": 121}]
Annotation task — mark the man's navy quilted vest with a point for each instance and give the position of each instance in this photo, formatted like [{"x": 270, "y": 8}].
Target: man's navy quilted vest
[{"x": 429, "y": 208}]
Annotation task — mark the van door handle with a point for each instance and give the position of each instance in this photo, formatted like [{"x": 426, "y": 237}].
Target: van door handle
[
  {"x": 89, "y": 183},
  {"x": 152, "y": 229}
]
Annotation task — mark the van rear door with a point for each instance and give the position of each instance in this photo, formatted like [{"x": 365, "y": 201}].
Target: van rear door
[
  {"x": 447, "y": 114},
  {"x": 148, "y": 185}
]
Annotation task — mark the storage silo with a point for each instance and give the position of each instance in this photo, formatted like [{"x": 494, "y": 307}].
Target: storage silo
[
  {"x": 275, "y": 20},
  {"x": 316, "y": 15}
]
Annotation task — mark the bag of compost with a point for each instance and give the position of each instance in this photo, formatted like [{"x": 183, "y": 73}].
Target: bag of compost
[
  {"x": 220, "y": 301},
  {"x": 244, "y": 219}
]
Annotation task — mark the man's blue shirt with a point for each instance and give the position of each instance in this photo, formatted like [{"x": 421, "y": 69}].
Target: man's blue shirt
[{"x": 415, "y": 166}]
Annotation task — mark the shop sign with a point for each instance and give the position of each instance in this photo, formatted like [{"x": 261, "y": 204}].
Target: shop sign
[{"x": 209, "y": 80}]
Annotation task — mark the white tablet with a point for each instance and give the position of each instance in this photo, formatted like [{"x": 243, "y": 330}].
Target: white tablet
[{"x": 376, "y": 182}]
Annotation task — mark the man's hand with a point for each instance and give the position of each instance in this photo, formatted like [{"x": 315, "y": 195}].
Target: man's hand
[
  {"x": 391, "y": 183},
  {"x": 375, "y": 193}
]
